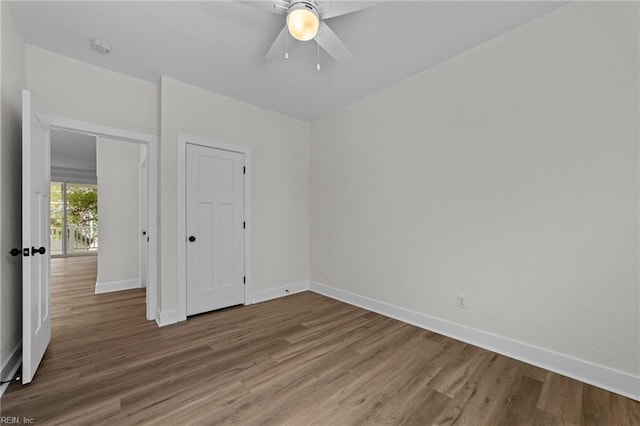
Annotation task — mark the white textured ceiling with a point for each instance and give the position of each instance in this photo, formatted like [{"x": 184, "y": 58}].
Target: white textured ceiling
[
  {"x": 220, "y": 46},
  {"x": 73, "y": 150}
]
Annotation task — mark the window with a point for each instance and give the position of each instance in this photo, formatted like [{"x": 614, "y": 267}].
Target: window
[{"x": 74, "y": 218}]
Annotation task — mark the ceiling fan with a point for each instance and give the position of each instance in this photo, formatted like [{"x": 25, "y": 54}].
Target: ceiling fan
[{"x": 305, "y": 20}]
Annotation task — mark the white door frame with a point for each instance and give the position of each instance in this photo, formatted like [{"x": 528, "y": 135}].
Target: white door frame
[
  {"x": 143, "y": 217},
  {"x": 151, "y": 141},
  {"x": 183, "y": 140}
]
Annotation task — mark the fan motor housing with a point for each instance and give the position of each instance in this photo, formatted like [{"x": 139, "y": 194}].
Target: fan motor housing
[{"x": 311, "y": 5}]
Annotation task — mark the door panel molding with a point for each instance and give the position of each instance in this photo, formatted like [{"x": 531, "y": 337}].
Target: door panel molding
[{"x": 183, "y": 140}]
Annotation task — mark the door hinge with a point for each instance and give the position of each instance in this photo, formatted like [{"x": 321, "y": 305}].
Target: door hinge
[{"x": 244, "y": 281}]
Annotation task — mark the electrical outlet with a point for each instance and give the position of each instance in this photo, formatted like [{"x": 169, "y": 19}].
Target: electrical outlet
[{"x": 462, "y": 301}]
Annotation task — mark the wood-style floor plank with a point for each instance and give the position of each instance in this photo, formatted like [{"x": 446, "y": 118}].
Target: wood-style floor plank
[
  {"x": 300, "y": 360},
  {"x": 562, "y": 397}
]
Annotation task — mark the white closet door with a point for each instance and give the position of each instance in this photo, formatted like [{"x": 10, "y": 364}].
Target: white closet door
[{"x": 215, "y": 229}]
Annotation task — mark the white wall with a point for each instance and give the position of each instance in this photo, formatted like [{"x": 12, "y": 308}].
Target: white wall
[
  {"x": 279, "y": 179},
  {"x": 508, "y": 174},
  {"x": 73, "y": 89},
  {"x": 12, "y": 81},
  {"x": 118, "y": 206}
]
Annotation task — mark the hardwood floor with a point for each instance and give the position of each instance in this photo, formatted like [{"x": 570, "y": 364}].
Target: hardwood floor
[{"x": 300, "y": 360}]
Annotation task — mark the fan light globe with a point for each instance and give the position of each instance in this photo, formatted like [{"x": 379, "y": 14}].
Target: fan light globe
[{"x": 302, "y": 24}]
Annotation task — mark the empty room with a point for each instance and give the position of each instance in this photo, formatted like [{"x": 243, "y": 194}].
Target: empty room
[{"x": 319, "y": 212}]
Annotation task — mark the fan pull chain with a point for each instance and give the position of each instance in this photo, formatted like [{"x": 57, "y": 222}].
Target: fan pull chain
[
  {"x": 318, "y": 56},
  {"x": 286, "y": 45}
]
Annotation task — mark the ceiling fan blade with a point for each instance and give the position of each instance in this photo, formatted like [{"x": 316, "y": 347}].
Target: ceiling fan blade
[
  {"x": 331, "y": 9},
  {"x": 331, "y": 44},
  {"x": 274, "y": 6},
  {"x": 278, "y": 47}
]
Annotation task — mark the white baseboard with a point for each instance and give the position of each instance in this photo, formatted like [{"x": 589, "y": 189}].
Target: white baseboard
[
  {"x": 170, "y": 316},
  {"x": 167, "y": 317},
  {"x": 111, "y": 286},
  {"x": 276, "y": 292},
  {"x": 10, "y": 367},
  {"x": 604, "y": 377}
]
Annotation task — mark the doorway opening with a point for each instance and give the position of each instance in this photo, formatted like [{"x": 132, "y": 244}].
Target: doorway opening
[
  {"x": 97, "y": 208},
  {"x": 113, "y": 145}
]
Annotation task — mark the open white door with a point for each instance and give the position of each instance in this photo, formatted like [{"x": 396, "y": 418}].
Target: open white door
[{"x": 36, "y": 289}]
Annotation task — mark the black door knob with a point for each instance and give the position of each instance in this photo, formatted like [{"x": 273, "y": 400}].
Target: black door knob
[
  {"x": 192, "y": 238},
  {"x": 15, "y": 252},
  {"x": 40, "y": 250}
]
